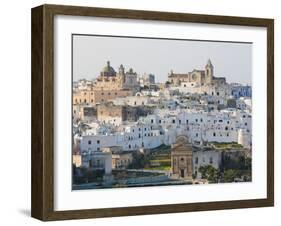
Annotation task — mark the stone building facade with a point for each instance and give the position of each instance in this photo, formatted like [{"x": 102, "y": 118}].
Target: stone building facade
[
  {"x": 93, "y": 97},
  {"x": 181, "y": 158},
  {"x": 197, "y": 77},
  {"x": 109, "y": 79},
  {"x": 116, "y": 114},
  {"x": 108, "y": 86}
]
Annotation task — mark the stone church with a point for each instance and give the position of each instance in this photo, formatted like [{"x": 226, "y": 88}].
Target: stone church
[
  {"x": 197, "y": 77},
  {"x": 109, "y": 79},
  {"x": 181, "y": 159}
]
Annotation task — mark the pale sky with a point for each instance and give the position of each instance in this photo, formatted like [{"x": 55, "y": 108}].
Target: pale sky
[{"x": 159, "y": 57}]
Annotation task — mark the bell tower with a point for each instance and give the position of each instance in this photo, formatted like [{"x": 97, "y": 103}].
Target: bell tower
[
  {"x": 209, "y": 72},
  {"x": 122, "y": 73}
]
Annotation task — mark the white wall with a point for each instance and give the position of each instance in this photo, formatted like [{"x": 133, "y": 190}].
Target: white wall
[{"x": 15, "y": 69}]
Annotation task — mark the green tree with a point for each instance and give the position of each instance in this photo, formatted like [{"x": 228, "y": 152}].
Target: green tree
[
  {"x": 210, "y": 173},
  {"x": 229, "y": 175}
]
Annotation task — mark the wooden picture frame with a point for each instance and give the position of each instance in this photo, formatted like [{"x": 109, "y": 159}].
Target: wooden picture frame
[{"x": 43, "y": 111}]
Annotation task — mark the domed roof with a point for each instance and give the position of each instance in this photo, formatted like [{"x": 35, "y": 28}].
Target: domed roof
[{"x": 108, "y": 68}]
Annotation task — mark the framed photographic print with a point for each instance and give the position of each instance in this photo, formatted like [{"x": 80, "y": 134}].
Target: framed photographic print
[{"x": 141, "y": 112}]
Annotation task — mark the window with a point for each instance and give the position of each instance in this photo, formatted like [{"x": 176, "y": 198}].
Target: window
[
  {"x": 246, "y": 123},
  {"x": 85, "y": 101},
  {"x": 196, "y": 160},
  {"x": 227, "y": 134},
  {"x": 196, "y": 134},
  {"x": 211, "y": 160},
  {"x": 151, "y": 120},
  {"x": 98, "y": 149},
  {"x": 89, "y": 142},
  {"x": 186, "y": 121},
  {"x": 92, "y": 100},
  {"x": 102, "y": 93},
  {"x": 139, "y": 136},
  {"x": 214, "y": 134},
  {"x": 201, "y": 120},
  {"x": 218, "y": 93},
  {"x": 179, "y": 121},
  {"x": 174, "y": 121},
  {"x": 129, "y": 146},
  {"x": 196, "y": 120},
  {"x": 98, "y": 141},
  {"x": 160, "y": 121},
  {"x": 182, "y": 159},
  {"x": 226, "y": 128}
]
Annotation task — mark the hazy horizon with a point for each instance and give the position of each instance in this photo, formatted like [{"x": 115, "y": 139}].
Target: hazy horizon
[{"x": 160, "y": 56}]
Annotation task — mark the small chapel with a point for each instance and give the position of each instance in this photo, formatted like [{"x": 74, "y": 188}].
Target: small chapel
[{"x": 181, "y": 158}]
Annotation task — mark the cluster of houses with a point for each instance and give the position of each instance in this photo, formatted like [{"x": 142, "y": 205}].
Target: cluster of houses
[{"x": 119, "y": 113}]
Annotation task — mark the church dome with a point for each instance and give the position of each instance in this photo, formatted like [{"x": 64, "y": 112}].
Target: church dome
[{"x": 108, "y": 70}]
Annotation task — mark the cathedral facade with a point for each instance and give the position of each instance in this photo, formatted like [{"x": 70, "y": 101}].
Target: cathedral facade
[
  {"x": 181, "y": 158},
  {"x": 107, "y": 86},
  {"x": 109, "y": 79},
  {"x": 197, "y": 78}
]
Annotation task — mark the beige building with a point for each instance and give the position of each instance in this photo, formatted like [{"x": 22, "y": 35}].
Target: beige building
[
  {"x": 121, "y": 160},
  {"x": 109, "y": 79},
  {"x": 197, "y": 77},
  {"x": 115, "y": 114},
  {"x": 93, "y": 97},
  {"x": 77, "y": 160},
  {"x": 109, "y": 113},
  {"x": 108, "y": 86},
  {"x": 181, "y": 158}
]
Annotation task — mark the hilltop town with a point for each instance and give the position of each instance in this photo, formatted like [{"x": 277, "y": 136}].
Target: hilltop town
[{"x": 128, "y": 130}]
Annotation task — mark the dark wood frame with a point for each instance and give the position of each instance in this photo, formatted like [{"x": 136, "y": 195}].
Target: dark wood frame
[{"x": 42, "y": 203}]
